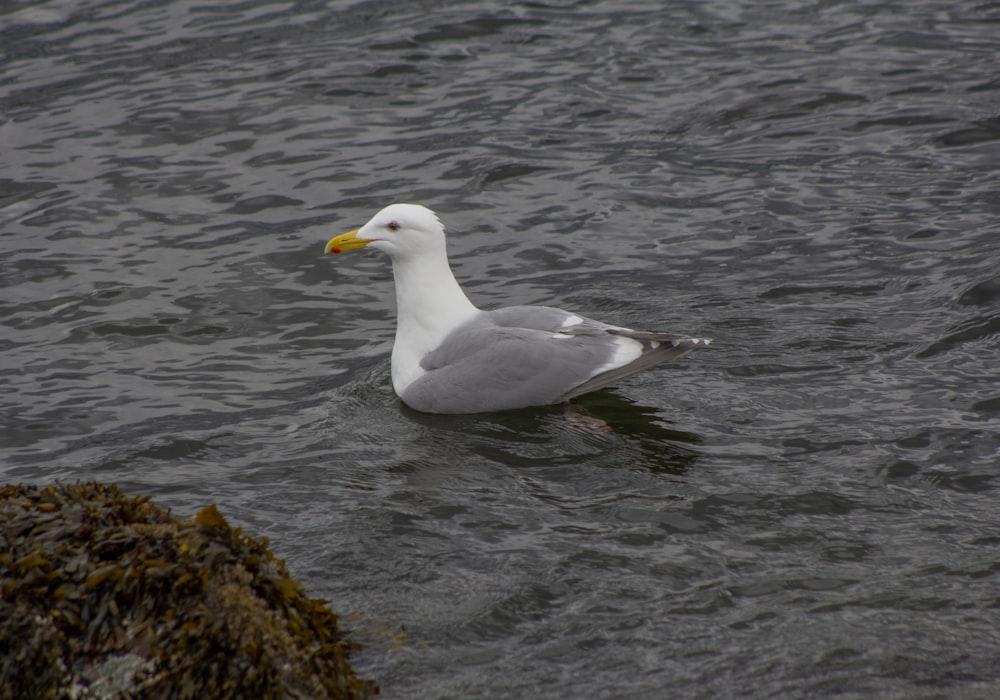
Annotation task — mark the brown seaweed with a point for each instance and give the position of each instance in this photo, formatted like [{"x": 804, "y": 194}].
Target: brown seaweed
[{"x": 106, "y": 595}]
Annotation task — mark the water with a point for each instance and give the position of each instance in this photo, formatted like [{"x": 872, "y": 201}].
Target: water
[{"x": 806, "y": 509}]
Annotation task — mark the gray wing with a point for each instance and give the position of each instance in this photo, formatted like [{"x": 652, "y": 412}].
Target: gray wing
[
  {"x": 484, "y": 367},
  {"x": 525, "y": 356},
  {"x": 657, "y": 348}
]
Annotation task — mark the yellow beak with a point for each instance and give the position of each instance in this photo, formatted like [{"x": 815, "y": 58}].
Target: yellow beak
[{"x": 346, "y": 241}]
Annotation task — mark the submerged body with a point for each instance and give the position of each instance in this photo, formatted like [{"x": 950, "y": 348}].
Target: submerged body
[{"x": 451, "y": 357}]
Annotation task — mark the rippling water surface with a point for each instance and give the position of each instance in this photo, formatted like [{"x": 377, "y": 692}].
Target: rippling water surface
[{"x": 806, "y": 509}]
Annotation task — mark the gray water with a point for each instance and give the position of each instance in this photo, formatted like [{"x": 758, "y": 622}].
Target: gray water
[{"x": 806, "y": 509}]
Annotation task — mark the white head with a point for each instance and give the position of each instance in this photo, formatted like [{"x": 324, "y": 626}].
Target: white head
[{"x": 401, "y": 230}]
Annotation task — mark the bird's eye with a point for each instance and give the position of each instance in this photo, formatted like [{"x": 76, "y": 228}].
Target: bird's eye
[{"x": 392, "y": 226}]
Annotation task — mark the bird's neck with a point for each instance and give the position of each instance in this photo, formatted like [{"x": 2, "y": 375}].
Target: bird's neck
[{"x": 429, "y": 302}]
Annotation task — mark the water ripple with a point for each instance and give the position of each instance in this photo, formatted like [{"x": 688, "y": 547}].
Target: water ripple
[{"x": 804, "y": 509}]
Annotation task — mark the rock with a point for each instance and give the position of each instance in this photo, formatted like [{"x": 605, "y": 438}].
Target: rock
[{"x": 103, "y": 595}]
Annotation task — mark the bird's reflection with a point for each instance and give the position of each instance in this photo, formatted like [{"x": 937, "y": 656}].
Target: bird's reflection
[{"x": 597, "y": 422}]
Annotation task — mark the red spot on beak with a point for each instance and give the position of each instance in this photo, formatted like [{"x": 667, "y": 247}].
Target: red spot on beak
[{"x": 336, "y": 251}]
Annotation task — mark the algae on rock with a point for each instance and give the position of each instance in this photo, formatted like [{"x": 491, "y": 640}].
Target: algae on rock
[{"x": 106, "y": 595}]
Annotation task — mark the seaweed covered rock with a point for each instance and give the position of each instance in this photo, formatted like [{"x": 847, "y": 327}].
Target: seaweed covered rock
[{"x": 108, "y": 596}]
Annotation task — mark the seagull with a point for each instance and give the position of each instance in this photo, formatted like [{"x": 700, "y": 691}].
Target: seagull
[{"x": 452, "y": 357}]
